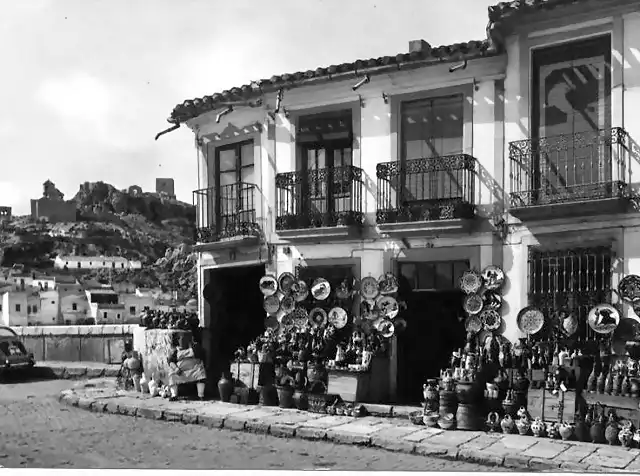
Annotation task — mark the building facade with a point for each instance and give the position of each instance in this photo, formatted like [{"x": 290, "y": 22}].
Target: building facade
[
  {"x": 14, "y": 308},
  {"x": 95, "y": 262},
  {"x": 517, "y": 151},
  {"x": 166, "y": 186},
  {"x": 5, "y": 214}
]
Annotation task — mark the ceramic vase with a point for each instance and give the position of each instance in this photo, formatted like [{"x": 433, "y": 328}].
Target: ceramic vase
[
  {"x": 507, "y": 424},
  {"x": 225, "y": 388},
  {"x": 597, "y": 430},
  {"x": 523, "y": 426},
  {"x": 553, "y": 431},
  {"x": 566, "y": 431},
  {"x": 600, "y": 383},
  {"x": 582, "y": 429},
  {"x": 538, "y": 427},
  {"x": 608, "y": 384},
  {"x": 625, "y": 436},
  {"x": 591, "y": 381},
  {"x": 612, "y": 430}
]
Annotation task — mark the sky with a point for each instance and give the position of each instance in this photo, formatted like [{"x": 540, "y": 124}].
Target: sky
[{"x": 87, "y": 84}]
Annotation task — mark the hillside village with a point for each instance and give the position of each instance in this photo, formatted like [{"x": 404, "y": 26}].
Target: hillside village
[{"x": 101, "y": 258}]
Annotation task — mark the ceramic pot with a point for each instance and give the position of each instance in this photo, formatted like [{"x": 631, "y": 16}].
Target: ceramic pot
[
  {"x": 566, "y": 431},
  {"x": 285, "y": 397},
  {"x": 493, "y": 422},
  {"x": 597, "y": 431},
  {"x": 268, "y": 396},
  {"x": 612, "y": 430},
  {"x": 582, "y": 430},
  {"x": 591, "y": 381},
  {"x": 523, "y": 426},
  {"x": 301, "y": 400},
  {"x": 507, "y": 424},
  {"x": 600, "y": 383},
  {"x": 225, "y": 388},
  {"x": 537, "y": 427},
  {"x": 625, "y": 436},
  {"x": 553, "y": 431},
  {"x": 466, "y": 392},
  {"x": 635, "y": 387}
]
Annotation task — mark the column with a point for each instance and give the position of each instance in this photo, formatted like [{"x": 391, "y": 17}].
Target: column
[{"x": 514, "y": 293}]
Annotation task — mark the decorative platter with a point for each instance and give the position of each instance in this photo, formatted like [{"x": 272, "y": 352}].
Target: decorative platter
[
  {"x": 386, "y": 328},
  {"x": 369, "y": 288},
  {"x": 271, "y": 322},
  {"x": 473, "y": 324},
  {"x": 473, "y": 304},
  {"x": 318, "y": 317},
  {"x": 530, "y": 320},
  {"x": 268, "y": 285},
  {"x": 388, "y": 284},
  {"x": 470, "y": 282},
  {"x": 493, "y": 277},
  {"x": 320, "y": 289},
  {"x": 388, "y": 306},
  {"x": 285, "y": 282},
  {"x": 287, "y": 321},
  {"x": 629, "y": 288},
  {"x": 299, "y": 290},
  {"x": 300, "y": 317},
  {"x": 603, "y": 318},
  {"x": 491, "y": 319},
  {"x": 271, "y": 304},
  {"x": 338, "y": 317},
  {"x": 491, "y": 300},
  {"x": 288, "y": 304},
  {"x": 566, "y": 320}
]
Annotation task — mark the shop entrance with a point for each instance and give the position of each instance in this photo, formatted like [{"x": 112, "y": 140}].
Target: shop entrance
[
  {"x": 435, "y": 330},
  {"x": 236, "y": 311}
]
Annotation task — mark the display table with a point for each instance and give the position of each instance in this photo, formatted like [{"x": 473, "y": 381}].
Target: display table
[
  {"x": 626, "y": 408},
  {"x": 370, "y": 386},
  {"x": 550, "y": 407}
]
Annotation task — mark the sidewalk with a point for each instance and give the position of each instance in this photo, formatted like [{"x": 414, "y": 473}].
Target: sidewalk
[
  {"x": 74, "y": 370},
  {"x": 511, "y": 451}
]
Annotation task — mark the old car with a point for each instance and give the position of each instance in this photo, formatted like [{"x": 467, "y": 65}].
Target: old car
[{"x": 13, "y": 355}]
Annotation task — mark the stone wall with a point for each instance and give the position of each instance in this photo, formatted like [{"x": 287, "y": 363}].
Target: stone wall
[{"x": 155, "y": 345}]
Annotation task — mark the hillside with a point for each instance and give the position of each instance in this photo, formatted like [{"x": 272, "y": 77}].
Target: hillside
[{"x": 156, "y": 230}]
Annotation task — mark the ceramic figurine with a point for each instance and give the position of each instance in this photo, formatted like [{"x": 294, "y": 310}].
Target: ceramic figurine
[
  {"x": 537, "y": 427},
  {"x": 566, "y": 430},
  {"x": 523, "y": 425},
  {"x": 522, "y": 413},
  {"x": 553, "y": 431},
  {"x": 507, "y": 424}
]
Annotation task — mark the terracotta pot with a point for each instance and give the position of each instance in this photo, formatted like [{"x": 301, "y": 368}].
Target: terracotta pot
[
  {"x": 268, "y": 396},
  {"x": 285, "y": 397},
  {"x": 467, "y": 392},
  {"x": 225, "y": 388},
  {"x": 611, "y": 433}
]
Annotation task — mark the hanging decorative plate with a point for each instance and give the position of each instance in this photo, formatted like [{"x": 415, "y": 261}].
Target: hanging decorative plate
[
  {"x": 300, "y": 317},
  {"x": 400, "y": 325},
  {"x": 493, "y": 277},
  {"x": 388, "y": 284},
  {"x": 473, "y": 304},
  {"x": 470, "y": 281},
  {"x": 271, "y": 304},
  {"x": 288, "y": 304},
  {"x": 636, "y": 308},
  {"x": 629, "y": 288},
  {"x": 369, "y": 288},
  {"x": 271, "y": 323},
  {"x": 320, "y": 289},
  {"x": 318, "y": 317},
  {"x": 388, "y": 306},
  {"x": 530, "y": 320},
  {"x": 567, "y": 321},
  {"x": 473, "y": 324},
  {"x": 268, "y": 285},
  {"x": 338, "y": 317},
  {"x": 285, "y": 282},
  {"x": 603, "y": 318},
  {"x": 299, "y": 291},
  {"x": 287, "y": 322},
  {"x": 343, "y": 291},
  {"x": 385, "y": 328},
  {"x": 491, "y": 300},
  {"x": 491, "y": 319}
]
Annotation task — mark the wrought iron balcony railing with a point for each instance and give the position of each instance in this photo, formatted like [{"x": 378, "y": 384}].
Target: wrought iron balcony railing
[
  {"x": 569, "y": 168},
  {"x": 230, "y": 211},
  {"x": 439, "y": 188},
  {"x": 326, "y": 197}
]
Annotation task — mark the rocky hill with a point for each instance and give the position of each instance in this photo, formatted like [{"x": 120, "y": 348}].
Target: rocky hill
[{"x": 154, "y": 229}]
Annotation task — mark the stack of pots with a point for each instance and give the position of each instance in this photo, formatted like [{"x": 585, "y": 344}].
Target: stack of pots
[{"x": 469, "y": 414}]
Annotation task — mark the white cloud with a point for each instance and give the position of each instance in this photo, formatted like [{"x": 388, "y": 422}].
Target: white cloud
[
  {"x": 77, "y": 96},
  {"x": 12, "y": 195}
]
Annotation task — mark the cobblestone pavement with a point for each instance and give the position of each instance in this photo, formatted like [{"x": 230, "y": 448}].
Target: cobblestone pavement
[{"x": 36, "y": 431}]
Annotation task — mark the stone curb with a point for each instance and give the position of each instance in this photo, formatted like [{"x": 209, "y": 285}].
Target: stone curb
[
  {"x": 72, "y": 373},
  {"x": 237, "y": 423}
]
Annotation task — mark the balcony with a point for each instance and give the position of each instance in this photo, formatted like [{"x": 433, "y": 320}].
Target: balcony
[
  {"x": 428, "y": 194},
  {"x": 230, "y": 213},
  {"x": 326, "y": 201},
  {"x": 568, "y": 175}
]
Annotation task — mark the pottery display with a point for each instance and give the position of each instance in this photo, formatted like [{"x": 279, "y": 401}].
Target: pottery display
[
  {"x": 538, "y": 427},
  {"x": 507, "y": 424},
  {"x": 566, "y": 431}
]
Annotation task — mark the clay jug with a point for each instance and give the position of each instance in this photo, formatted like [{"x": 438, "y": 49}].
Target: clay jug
[
  {"x": 617, "y": 384},
  {"x": 566, "y": 431},
  {"x": 537, "y": 427},
  {"x": 225, "y": 388},
  {"x": 625, "y": 436},
  {"x": 582, "y": 429},
  {"x": 612, "y": 430},
  {"x": 600, "y": 384},
  {"x": 597, "y": 430},
  {"x": 523, "y": 426},
  {"x": 591, "y": 381},
  {"x": 507, "y": 424}
]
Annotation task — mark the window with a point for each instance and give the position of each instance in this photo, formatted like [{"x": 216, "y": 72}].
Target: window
[
  {"x": 432, "y": 276},
  {"x": 122, "y": 265},
  {"x": 74, "y": 307},
  {"x": 104, "y": 315},
  {"x": 17, "y": 307},
  {"x": 113, "y": 264},
  {"x": 118, "y": 316},
  {"x": 53, "y": 302},
  {"x": 431, "y": 128},
  {"x": 571, "y": 86},
  {"x": 34, "y": 308},
  {"x": 28, "y": 309},
  {"x": 79, "y": 264},
  {"x": 132, "y": 310},
  {"x": 90, "y": 263},
  {"x": 571, "y": 280}
]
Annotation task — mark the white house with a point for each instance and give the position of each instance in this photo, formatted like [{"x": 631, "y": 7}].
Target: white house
[
  {"x": 95, "y": 262},
  {"x": 74, "y": 306},
  {"x": 14, "y": 308}
]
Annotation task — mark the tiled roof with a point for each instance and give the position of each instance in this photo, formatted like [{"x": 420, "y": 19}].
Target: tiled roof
[
  {"x": 507, "y": 10},
  {"x": 194, "y": 107}
]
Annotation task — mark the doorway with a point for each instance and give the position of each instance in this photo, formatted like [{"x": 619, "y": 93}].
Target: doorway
[
  {"x": 236, "y": 312},
  {"x": 434, "y": 325}
]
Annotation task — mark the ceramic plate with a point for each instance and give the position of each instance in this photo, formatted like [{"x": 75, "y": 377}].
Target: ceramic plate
[
  {"x": 470, "y": 282},
  {"x": 318, "y": 317},
  {"x": 300, "y": 317},
  {"x": 369, "y": 288},
  {"x": 473, "y": 324},
  {"x": 491, "y": 319},
  {"x": 629, "y": 288},
  {"x": 285, "y": 282},
  {"x": 288, "y": 304},
  {"x": 320, "y": 289},
  {"x": 268, "y": 285},
  {"x": 271, "y": 304},
  {"x": 338, "y": 317},
  {"x": 473, "y": 304},
  {"x": 388, "y": 284},
  {"x": 603, "y": 318},
  {"x": 388, "y": 306},
  {"x": 385, "y": 327},
  {"x": 491, "y": 300},
  {"x": 287, "y": 321},
  {"x": 493, "y": 277},
  {"x": 530, "y": 320},
  {"x": 271, "y": 323},
  {"x": 565, "y": 320},
  {"x": 299, "y": 290}
]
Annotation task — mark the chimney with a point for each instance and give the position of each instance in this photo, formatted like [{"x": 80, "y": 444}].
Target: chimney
[{"x": 419, "y": 46}]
